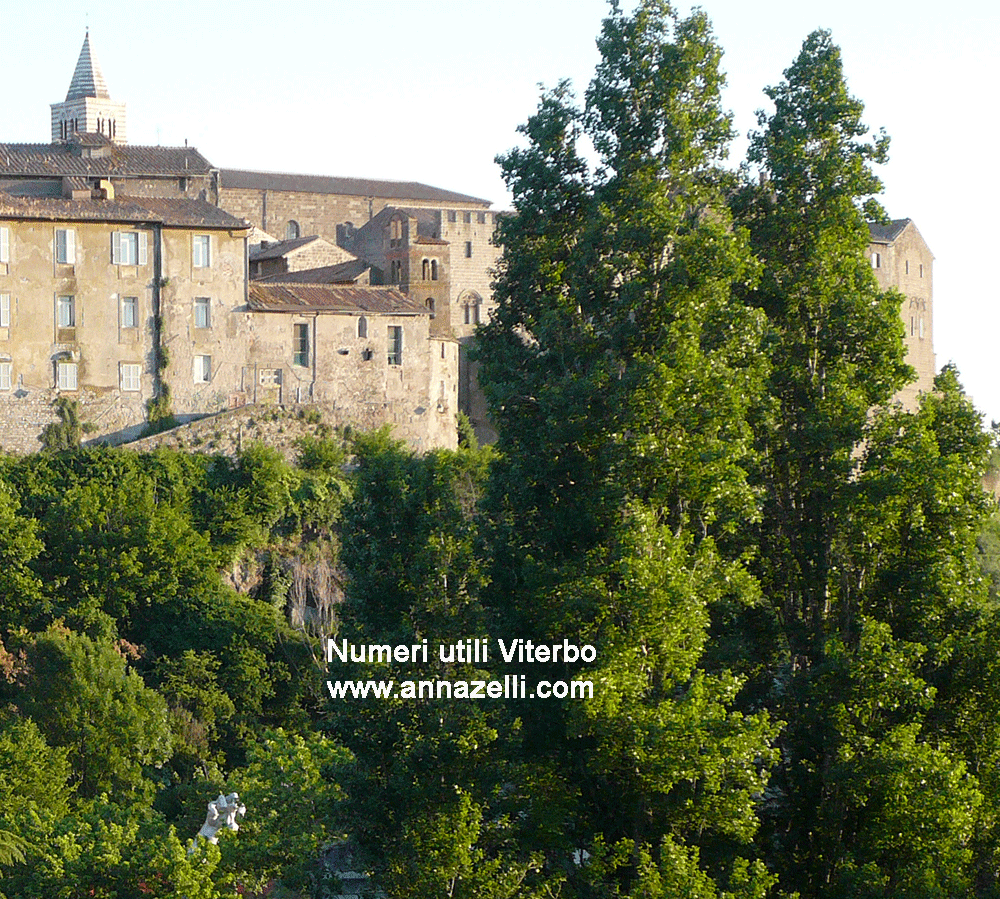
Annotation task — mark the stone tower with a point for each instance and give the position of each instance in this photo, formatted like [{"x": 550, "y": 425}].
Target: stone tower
[{"x": 88, "y": 107}]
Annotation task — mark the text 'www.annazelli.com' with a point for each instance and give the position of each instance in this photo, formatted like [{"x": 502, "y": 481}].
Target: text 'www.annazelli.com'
[{"x": 511, "y": 687}]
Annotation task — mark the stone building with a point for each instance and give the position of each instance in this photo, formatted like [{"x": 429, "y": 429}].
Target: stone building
[
  {"x": 902, "y": 260},
  {"x": 234, "y": 329},
  {"x": 86, "y": 285}
]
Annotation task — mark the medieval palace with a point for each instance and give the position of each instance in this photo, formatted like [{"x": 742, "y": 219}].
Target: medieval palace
[{"x": 136, "y": 274}]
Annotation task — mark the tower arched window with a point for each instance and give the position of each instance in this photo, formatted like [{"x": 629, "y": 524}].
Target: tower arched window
[
  {"x": 434, "y": 270},
  {"x": 292, "y": 230},
  {"x": 362, "y": 327},
  {"x": 426, "y": 270},
  {"x": 429, "y": 303}
]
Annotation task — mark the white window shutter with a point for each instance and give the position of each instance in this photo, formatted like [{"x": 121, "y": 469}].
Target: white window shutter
[
  {"x": 71, "y": 247},
  {"x": 116, "y": 248},
  {"x": 4, "y": 245},
  {"x": 4, "y": 310},
  {"x": 142, "y": 248}
]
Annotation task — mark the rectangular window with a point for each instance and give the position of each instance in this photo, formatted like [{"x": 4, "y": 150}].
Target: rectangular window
[
  {"x": 270, "y": 377},
  {"x": 4, "y": 245},
  {"x": 130, "y": 375},
  {"x": 468, "y": 249},
  {"x": 128, "y": 247},
  {"x": 395, "y": 345},
  {"x": 202, "y": 369},
  {"x": 452, "y": 215},
  {"x": 130, "y": 312},
  {"x": 300, "y": 344},
  {"x": 202, "y": 312},
  {"x": 876, "y": 260},
  {"x": 201, "y": 251},
  {"x": 481, "y": 218},
  {"x": 467, "y": 218},
  {"x": 4, "y": 376},
  {"x": 4, "y": 310},
  {"x": 65, "y": 246},
  {"x": 907, "y": 266},
  {"x": 66, "y": 312},
  {"x": 67, "y": 375}
]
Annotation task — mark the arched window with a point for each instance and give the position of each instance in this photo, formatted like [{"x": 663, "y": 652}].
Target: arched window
[
  {"x": 426, "y": 269},
  {"x": 434, "y": 270},
  {"x": 292, "y": 230},
  {"x": 429, "y": 303},
  {"x": 470, "y": 302},
  {"x": 362, "y": 327}
]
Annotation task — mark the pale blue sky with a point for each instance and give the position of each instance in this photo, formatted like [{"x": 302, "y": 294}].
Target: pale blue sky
[{"x": 432, "y": 91}]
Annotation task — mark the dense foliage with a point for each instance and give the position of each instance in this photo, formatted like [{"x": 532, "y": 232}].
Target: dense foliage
[{"x": 786, "y": 584}]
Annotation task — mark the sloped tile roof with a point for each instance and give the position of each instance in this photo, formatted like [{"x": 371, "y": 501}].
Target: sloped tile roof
[
  {"x": 341, "y": 273},
  {"x": 354, "y": 187},
  {"x": 291, "y": 297},
  {"x": 279, "y": 249},
  {"x": 62, "y": 158},
  {"x": 887, "y": 233},
  {"x": 172, "y": 212}
]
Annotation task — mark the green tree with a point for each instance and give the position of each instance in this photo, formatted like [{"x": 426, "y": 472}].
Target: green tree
[
  {"x": 83, "y": 698},
  {"x": 834, "y": 337},
  {"x": 865, "y": 544},
  {"x": 425, "y": 791},
  {"x": 620, "y": 372}
]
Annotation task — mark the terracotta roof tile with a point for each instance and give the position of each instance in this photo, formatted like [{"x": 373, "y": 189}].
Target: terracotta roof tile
[
  {"x": 62, "y": 158},
  {"x": 341, "y": 273},
  {"x": 279, "y": 249},
  {"x": 355, "y": 187},
  {"x": 175, "y": 212},
  {"x": 289, "y": 297}
]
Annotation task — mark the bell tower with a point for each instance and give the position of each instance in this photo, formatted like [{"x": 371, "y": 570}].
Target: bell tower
[{"x": 88, "y": 107}]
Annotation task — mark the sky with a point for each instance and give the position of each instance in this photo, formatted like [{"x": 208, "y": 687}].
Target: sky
[{"x": 411, "y": 90}]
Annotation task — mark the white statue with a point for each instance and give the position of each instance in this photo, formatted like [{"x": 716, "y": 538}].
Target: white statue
[{"x": 222, "y": 812}]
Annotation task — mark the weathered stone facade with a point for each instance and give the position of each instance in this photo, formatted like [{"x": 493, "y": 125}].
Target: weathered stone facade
[
  {"x": 901, "y": 259},
  {"x": 82, "y": 287}
]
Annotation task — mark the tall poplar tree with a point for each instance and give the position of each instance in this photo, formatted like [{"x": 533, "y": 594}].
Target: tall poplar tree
[
  {"x": 865, "y": 542},
  {"x": 619, "y": 373}
]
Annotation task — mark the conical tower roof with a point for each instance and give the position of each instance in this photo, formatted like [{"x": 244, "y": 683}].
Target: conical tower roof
[{"x": 88, "y": 81}]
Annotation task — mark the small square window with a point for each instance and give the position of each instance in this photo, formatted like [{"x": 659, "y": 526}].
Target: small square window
[
  {"x": 452, "y": 215},
  {"x": 65, "y": 246},
  {"x": 131, "y": 375},
  {"x": 481, "y": 218},
  {"x": 66, "y": 375},
  {"x": 270, "y": 377},
  {"x": 202, "y": 369},
  {"x": 66, "y": 312},
  {"x": 130, "y": 312},
  {"x": 4, "y": 310},
  {"x": 300, "y": 345},
  {"x": 5, "y": 379},
  {"x": 202, "y": 312},
  {"x": 201, "y": 251}
]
